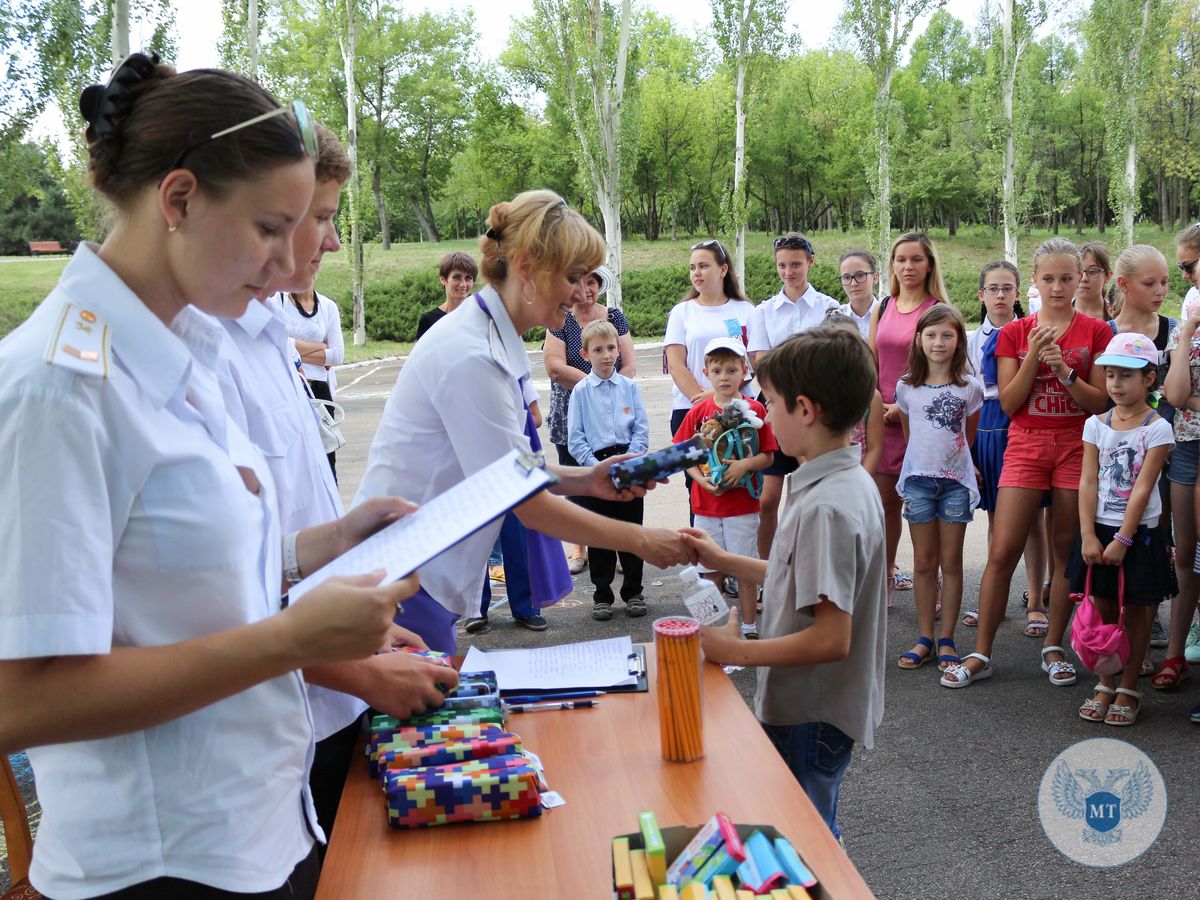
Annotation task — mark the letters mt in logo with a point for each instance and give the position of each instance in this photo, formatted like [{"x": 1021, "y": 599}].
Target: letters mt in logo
[
  {"x": 1102, "y": 802},
  {"x": 1096, "y": 803}
]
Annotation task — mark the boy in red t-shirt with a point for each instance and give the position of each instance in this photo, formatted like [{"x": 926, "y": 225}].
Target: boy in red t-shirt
[{"x": 727, "y": 511}]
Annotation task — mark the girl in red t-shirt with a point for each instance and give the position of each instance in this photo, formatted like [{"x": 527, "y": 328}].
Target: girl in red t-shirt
[{"x": 1048, "y": 388}]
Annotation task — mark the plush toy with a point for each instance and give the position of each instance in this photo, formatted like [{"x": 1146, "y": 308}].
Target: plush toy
[{"x": 732, "y": 434}]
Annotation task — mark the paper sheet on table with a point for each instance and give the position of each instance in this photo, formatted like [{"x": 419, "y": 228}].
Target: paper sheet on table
[
  {"x": 590, "y": 664},
  {"x": 440, "y": 523}
]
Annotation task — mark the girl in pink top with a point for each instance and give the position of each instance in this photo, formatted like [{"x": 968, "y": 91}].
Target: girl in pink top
[{"x": 916, "y": 285}]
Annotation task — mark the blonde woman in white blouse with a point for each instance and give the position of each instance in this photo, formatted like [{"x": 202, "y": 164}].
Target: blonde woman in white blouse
[{"x": 314, "y": 323}]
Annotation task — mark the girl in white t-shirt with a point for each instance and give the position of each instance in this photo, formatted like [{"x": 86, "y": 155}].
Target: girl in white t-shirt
[
  {"x": 939, "y": 411},
  {"x": 1119, "y": 509},
  {"x": 716, "y": 307}
]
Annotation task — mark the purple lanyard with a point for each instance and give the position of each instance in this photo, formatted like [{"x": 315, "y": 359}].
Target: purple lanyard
[{"x": 535, "y": 442}]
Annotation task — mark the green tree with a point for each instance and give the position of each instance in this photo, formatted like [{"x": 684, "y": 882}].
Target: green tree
[{"x": 882, "y": 29}]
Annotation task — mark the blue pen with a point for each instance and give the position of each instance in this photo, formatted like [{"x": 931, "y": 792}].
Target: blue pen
[{"x": 564, "y": 695}]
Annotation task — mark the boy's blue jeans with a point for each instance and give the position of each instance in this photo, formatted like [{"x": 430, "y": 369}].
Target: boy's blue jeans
[{"x": 818, "y": 754}]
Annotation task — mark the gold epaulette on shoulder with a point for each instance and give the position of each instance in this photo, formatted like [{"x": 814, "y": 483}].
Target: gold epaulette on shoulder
[{"x": 79, "y": 342}]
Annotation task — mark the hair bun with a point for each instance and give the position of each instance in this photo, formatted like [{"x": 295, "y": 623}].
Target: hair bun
[{"x": 101, "y": 105}]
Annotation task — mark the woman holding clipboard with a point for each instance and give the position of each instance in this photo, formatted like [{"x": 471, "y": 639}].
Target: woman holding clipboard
[{"x": 457, "y": 406}]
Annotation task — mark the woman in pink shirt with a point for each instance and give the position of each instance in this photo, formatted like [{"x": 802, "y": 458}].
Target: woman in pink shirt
[{"x": 916, "y": 284}]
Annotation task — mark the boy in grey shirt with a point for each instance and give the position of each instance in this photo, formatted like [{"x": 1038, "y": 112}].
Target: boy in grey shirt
[{"x": 824, "y": 627}]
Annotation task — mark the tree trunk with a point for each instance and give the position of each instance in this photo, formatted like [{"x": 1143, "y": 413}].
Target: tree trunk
[
  {"x": 252, "y": 41},
  {"x": 356, "y": 250},
  {"x": 120, "y": 30},
  {"x": 385, "y": 227},
  {"x": 1009, "y": 200},
  {"x": 1129, "y": 199},
  {"x": 883, "y": 192}
]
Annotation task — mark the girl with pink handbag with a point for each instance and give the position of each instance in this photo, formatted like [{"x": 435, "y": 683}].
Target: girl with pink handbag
[{"x": 1121, "y": 563}]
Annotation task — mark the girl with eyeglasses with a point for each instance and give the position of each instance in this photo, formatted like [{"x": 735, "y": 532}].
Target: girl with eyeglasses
[
  {"x": 1092, "y": 291},
  {"x": 798, "y": 306},
  {"x": 1182, "y": 388},
  {"x": 859, "y": 276},
  {"x": 143, "y": 566},
  {"x": 715, "y": 307},
  {"x": 916, "y": 285},
  {"x": 999, "y": 289},
  {"x": 1187, "y": 257}
]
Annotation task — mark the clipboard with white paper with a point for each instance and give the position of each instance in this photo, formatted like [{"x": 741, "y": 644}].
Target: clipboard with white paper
[
  {"x": 608, "y": 664},
  {"x": 454, "y": 515}
]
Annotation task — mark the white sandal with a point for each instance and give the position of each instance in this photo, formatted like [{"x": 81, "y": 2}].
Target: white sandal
[
  {"x": 1100, "y": 707},
  {"x": 1127, "y": 715},
  {"x": 1061, "y": 666},
  {"x": 971, "y": 614},
  {"x": 958, "y": 676}
]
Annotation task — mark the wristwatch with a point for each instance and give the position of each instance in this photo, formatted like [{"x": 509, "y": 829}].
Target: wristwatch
[{"x": 1070, "y": 379}]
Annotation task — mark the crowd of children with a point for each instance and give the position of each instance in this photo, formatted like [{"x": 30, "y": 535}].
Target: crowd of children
[{"x": 1058, "y": 424}]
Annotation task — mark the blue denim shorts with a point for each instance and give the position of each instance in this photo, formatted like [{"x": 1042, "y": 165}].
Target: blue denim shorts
[
  {"x": 1184, "y": 460},
  {"x": 926, "y": 499}
]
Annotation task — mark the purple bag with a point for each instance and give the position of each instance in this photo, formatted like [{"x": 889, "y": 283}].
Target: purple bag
[
  {"x": 1101, "y": 646},
  {"x": 549, "y": 575}
]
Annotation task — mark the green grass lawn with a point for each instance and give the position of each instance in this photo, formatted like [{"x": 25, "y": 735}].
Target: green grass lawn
[{"x": 23, "y": 282}]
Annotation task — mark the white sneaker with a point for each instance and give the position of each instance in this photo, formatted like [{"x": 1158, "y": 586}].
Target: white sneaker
[{"x": 1191, "y": 650}]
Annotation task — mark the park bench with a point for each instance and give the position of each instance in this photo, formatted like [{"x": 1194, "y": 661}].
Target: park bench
[{"x": 36, "y": 247}]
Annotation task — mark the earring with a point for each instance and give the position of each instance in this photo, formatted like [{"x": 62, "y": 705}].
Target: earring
[
  {"x": 524, "y": 294},
  {"x": 171, "y": 229}
]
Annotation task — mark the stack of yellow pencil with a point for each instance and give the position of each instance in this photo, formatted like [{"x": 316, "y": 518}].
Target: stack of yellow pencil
[{"x": 677, "y": 645}]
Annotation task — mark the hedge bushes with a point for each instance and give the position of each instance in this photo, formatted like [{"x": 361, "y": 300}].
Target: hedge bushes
[{"x": 393, "y": 307}]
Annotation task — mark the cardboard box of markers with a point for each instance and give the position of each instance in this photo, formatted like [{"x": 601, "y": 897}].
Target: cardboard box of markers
[
  {"x": 719, "y": 860},
  {"x": 456, "y": 763}
]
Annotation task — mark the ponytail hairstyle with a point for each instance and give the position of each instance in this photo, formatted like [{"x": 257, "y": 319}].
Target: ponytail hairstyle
[
  {"x": 935, "y": 286},
  {"x": 1057, "y": 246},
  {"x": 1130, "y": 261},
  {"x": 1005, "y": 265},
  {"x": 918, "y": 365},
  {"x": 148, "y": 120},
  {"x": 540, "y": 225},
  {"x": 731, "y": 286}
]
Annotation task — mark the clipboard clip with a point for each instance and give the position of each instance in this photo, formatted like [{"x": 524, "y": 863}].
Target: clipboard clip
[
  {"x": 528, "y": 462},
  {"x": 636, "y": 665}
]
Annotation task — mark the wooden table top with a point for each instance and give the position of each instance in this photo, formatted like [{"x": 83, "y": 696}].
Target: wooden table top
[{"x": 606, "y": 764}]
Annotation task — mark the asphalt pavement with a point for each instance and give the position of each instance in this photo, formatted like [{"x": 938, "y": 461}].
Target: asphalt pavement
[{"x": 946, "y": 804}]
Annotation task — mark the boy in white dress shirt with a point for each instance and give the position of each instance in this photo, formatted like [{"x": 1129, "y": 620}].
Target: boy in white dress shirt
[{"x": 607, "y": 418}]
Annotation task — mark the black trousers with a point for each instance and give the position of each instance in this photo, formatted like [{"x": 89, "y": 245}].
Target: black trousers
[
  {"x": 300, "y": 885},
  {"x": 603, "y": 563},
  {"x": 320, "y": 390}
]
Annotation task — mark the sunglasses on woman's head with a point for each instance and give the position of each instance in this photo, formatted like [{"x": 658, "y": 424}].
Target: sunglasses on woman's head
[
  {"x": 713, "y": 244},
  {"x": 794, "y": 243},
  {"x": 305, "y": 126}
]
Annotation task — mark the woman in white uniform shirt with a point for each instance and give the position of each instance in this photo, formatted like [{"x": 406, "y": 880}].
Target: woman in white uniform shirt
[
  {"x": 797, "y": 307},
  {"x": 316, "y": 325},
  {"x": 265, "y": 396},
  {"x": 457, "y": 407},
  {"x": 144, "y": 659}
]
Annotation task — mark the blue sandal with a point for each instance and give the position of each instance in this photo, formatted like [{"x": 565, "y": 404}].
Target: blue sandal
[
  {"x": 914, "y": 660},
  {"x": 946, "y": 660}
]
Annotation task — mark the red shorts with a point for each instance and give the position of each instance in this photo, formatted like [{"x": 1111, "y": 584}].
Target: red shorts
[{"x": 1041, "y": 459}]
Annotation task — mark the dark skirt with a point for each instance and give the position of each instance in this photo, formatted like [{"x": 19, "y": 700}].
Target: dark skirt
[
  {"x": 988, "y": 451},
  {"x": 1149, "y": 575}
]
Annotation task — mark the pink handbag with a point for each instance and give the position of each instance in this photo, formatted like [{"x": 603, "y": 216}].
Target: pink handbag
[{"x": 1102, "y": 647}]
